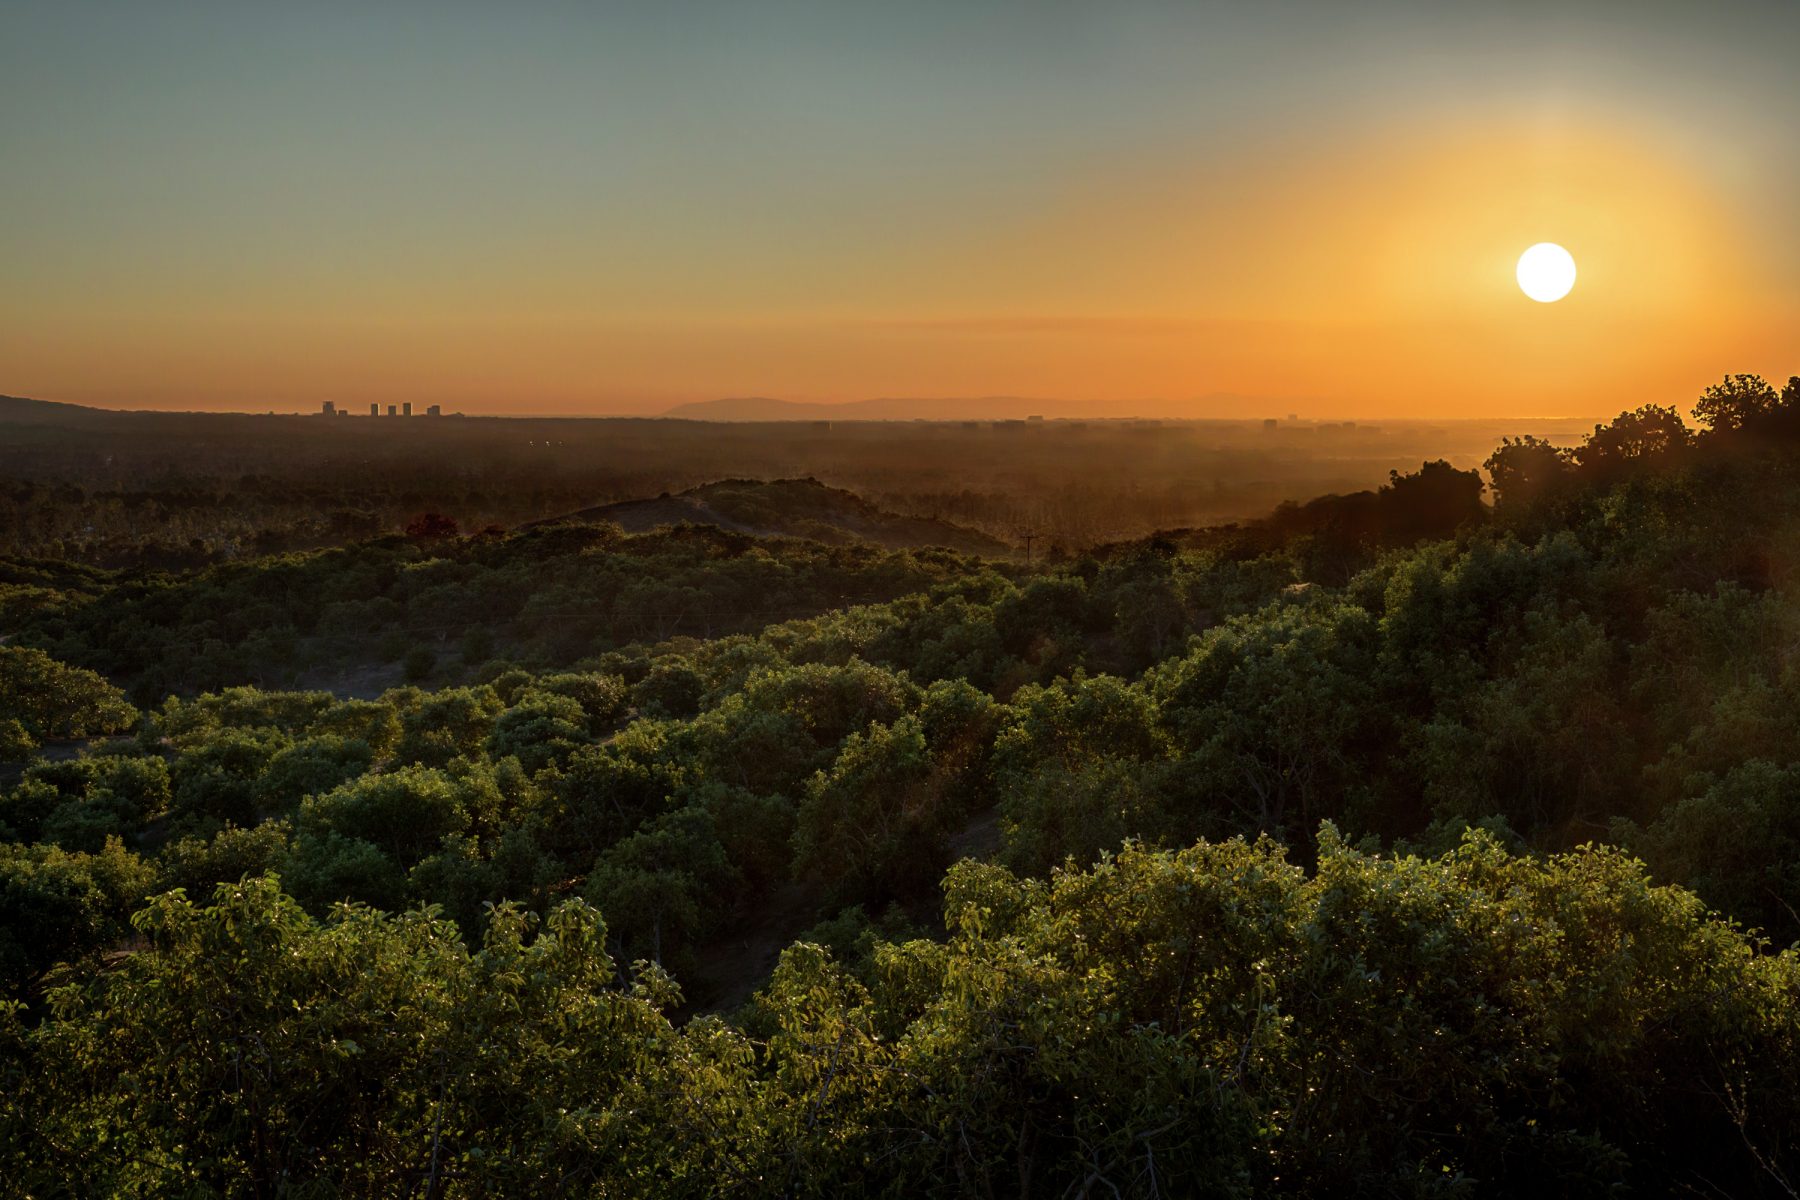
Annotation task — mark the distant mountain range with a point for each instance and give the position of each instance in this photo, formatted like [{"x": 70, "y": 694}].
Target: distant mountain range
[{"x": 974, "y": 408}]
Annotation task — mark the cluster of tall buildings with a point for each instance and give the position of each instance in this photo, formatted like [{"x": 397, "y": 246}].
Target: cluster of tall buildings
[{"x": 330, "y": 409}]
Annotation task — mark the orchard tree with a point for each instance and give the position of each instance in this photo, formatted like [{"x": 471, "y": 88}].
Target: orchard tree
[
  {"x": 273, "y": 1053},
  {"x": 873, "y": 823},
  {"x": 43, "y": 698}
]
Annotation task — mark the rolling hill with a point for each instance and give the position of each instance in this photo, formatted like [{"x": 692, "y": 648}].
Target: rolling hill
[{"x": 789, "y": 508}]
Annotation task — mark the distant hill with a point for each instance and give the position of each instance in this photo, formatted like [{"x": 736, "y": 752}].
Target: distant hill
[
  {"x": 17, "y": 410},
  {"x": 971, "y": 408},
  {"x": 763, "y": 408},
  {"x": 789, "y": 508}
]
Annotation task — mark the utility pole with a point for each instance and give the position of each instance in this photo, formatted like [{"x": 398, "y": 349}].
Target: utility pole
[{"x": 1029, "y": 537}]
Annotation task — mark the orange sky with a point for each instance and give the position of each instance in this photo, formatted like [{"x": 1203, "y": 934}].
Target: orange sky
[{"x": 1341, "y": 255}]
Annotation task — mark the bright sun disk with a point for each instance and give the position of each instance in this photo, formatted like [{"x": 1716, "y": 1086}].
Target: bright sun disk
[{"x": 1546, "y": 272}]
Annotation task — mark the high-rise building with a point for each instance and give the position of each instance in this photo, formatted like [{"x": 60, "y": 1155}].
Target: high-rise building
[
  {"x": 406, "y": 409},
  {"x": 393, "y": 410},
  {"x": 436, "y": 410},
  {"x": 329, "y": 409},
  {"x": 374, "y": 410}
]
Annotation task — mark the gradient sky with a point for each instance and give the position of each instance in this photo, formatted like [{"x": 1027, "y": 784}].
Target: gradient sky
[{"x": 593, "y": 208}]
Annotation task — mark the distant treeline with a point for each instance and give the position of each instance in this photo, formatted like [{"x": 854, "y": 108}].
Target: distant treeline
[{"x": 174, "y": 491}]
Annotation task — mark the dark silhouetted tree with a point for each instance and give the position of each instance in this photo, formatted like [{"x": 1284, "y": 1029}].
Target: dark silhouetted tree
[
  {"x": 1526, "y": 469},
  {"x": 1739, "y": 402},
  {"x": 1651, "y": 435},
  {"x": 431, "y": 527}
]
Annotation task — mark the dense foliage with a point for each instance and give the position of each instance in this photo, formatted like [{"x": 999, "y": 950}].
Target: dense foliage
[
  {"x": 1328, "y": 854},
  {"x": 1208, "y": 1022},
  {"x": 546, "y": 596}
]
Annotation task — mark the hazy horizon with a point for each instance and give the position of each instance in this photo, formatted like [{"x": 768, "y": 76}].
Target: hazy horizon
[
  {"x": 899, "y": 409},
  {"x": 604, "y": 211}
]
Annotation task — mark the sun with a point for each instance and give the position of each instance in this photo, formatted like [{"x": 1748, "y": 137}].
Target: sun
[{"x": 1546, "y": 272}]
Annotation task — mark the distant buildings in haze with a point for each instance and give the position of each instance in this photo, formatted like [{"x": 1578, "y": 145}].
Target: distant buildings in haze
[{"x": 330, "y": 409}]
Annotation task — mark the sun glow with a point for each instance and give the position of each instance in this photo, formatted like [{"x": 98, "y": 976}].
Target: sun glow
[{"x": 1546, "y": 272}]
